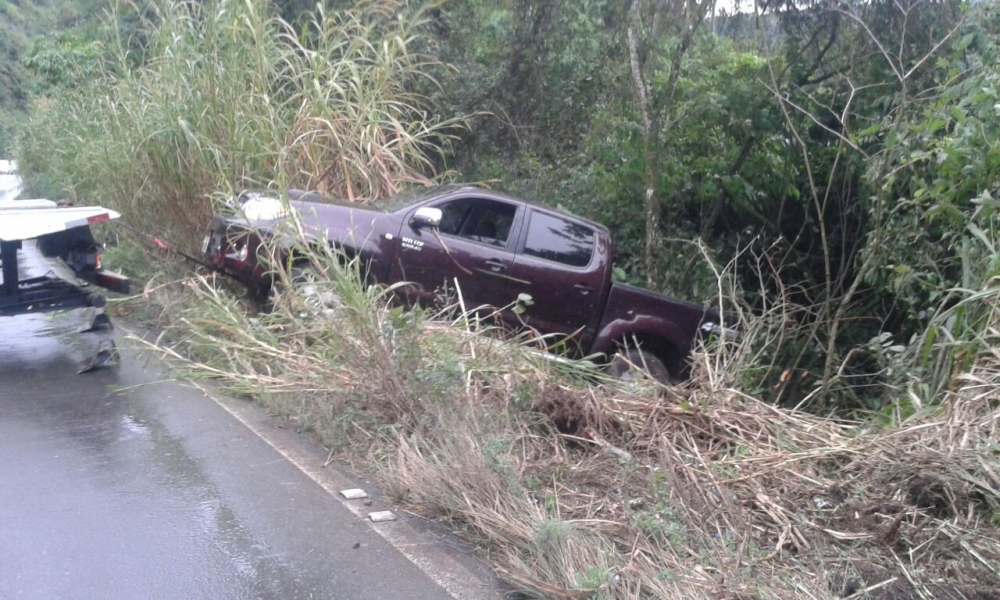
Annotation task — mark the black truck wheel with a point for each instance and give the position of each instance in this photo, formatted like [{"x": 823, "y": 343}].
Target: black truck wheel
[
  {"x": 634, "y": 364},
  {"x": 311, "y": 286}
]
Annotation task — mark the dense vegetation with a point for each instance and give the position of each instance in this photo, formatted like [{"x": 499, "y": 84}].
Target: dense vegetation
[{"x": 840, "y": 160}]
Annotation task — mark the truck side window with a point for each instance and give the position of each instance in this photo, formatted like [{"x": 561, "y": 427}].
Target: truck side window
[
  {"x": 559, "y": 240},
  {"x": 478, "y": 219},
  {"x": 454, "y": 214}
]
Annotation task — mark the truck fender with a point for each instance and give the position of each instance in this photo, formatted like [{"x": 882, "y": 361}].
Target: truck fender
[{"x": 643, "y": 326}]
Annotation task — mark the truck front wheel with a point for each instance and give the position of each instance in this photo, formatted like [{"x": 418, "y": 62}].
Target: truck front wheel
[
  {"x": 310, "y": 285},
  {"x": 634, "y": 364}
]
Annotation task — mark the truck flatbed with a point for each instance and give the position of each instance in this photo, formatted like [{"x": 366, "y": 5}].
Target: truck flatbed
[{"x": 50, "y": 262}]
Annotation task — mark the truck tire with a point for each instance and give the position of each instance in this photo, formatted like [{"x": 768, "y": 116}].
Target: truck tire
[
  {"x": 634, "y": 364},
  {"x": 303, "y": 279}
]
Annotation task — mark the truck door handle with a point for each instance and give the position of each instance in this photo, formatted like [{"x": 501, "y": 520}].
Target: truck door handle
[
  {"x": 583, "y": 288},
  {"x": 496, "y": 265}
]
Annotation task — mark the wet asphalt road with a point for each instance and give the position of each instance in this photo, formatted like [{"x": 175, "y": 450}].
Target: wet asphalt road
[{"x": 122, "y": 483}]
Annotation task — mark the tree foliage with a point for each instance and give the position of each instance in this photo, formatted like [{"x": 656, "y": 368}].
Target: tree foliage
[{"x": 22, "y": 25}]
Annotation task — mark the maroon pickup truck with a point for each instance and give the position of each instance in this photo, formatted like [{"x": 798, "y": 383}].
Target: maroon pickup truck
[{"x": 497, "y": 248}]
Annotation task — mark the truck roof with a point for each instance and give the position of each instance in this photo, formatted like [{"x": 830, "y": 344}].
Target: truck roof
[
  {"x": 416, "y": 195},
  {"x": 27, "y": 219}
]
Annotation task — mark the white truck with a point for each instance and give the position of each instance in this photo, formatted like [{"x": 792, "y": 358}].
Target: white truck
[{"x": 49, "y": 260}]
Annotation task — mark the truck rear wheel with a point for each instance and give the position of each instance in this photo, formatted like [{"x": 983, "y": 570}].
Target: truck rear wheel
[{"x": 634, "y": 365}]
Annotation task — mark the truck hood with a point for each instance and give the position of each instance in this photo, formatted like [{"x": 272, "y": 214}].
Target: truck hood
[{"x": 350, "y": 226}]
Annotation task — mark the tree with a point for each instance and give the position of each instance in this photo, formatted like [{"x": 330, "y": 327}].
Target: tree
[{"x": 660, "y": 33}]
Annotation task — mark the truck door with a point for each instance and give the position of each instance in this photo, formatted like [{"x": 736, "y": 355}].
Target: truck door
[
  {"x": 473, "y": 245},
  {"x": 566, "y": 275}
]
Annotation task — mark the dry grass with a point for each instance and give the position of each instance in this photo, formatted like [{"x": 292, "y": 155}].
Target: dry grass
[
  {"x": 727, "y": 496},
  {"x": 573, "y": 490}
]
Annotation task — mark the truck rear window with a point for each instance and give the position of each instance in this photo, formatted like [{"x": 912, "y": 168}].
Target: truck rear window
[{"x": 560, "y": 240}]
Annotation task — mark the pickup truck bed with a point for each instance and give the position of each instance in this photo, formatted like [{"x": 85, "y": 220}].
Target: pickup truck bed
[{"x": 655, "y": 322}]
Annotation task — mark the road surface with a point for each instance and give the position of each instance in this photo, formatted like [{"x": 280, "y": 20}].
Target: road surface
[{"x": 126, "y": 483}]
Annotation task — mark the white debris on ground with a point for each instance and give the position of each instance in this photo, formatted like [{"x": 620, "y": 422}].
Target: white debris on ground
[{"x": 354, "y": 494}]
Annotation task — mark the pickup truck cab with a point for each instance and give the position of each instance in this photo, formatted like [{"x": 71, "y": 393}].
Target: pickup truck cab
[{"x": 495, "y": 247}]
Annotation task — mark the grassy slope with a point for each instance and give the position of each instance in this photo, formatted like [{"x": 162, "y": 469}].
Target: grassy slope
[{"x": 573, "y": 490}]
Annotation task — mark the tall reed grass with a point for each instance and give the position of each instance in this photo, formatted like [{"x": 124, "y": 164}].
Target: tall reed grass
[{"x": 228, "y": 96}]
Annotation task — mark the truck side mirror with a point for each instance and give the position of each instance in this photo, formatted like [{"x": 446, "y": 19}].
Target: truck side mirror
[{"x": 426, "y": 217}]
